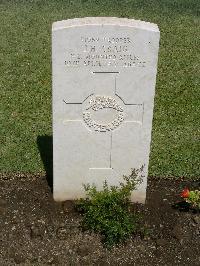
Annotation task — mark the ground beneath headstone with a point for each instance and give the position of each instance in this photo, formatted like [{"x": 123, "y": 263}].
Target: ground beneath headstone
[{"x": 35, "y": 230}]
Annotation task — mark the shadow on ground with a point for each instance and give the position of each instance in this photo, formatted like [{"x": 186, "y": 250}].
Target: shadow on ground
[{"x": 45, "y": 146}]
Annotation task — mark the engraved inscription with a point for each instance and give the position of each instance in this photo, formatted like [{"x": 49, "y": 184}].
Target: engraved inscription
[
  {"x": 104, "y": 52},
  {"x": 98, "y": 103}
]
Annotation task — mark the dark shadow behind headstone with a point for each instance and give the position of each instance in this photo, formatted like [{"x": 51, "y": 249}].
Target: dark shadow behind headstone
[{"x": 45, "y": 146}]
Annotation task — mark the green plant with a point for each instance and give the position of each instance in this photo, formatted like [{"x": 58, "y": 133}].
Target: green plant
[
  {"x": 192, "y": 197},
  {"x": 108, "y": 211}
]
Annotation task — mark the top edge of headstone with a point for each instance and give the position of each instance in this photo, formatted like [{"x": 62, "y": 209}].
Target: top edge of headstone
[{"x": 76, "y": 22}]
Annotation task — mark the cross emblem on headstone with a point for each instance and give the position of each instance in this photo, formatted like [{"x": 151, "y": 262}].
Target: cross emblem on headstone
[
  {"x": 104, "y": 75},
  {"x": 102, "y": 113}
]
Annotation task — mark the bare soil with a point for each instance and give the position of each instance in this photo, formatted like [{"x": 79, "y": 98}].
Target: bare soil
[{"x": 35, "y": 230}]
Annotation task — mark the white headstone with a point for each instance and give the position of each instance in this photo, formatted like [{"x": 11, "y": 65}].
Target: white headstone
[{"x": 104, "y": 74}]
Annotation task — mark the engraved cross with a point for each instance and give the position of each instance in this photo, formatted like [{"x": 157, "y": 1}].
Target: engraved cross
[{"x": 103, "y": 97}]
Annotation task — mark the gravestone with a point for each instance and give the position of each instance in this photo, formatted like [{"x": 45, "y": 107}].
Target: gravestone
[{"x": 104, "y": 74}]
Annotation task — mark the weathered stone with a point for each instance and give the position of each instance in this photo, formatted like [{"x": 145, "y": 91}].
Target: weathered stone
[{"x": 104, "y": 73}]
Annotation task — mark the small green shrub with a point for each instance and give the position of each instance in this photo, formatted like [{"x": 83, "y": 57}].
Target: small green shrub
[{"x": 108, "y": 211}]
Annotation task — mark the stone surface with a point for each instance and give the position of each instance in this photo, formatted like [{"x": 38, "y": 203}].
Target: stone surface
[{"x": 104, "y": 74}]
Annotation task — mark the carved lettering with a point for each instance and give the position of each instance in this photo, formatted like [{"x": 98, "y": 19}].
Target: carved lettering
[{"x": 104, "y": 51}]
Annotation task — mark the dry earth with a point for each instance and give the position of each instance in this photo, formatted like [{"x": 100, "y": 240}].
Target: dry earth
[{"x": 34, "y": 230}]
